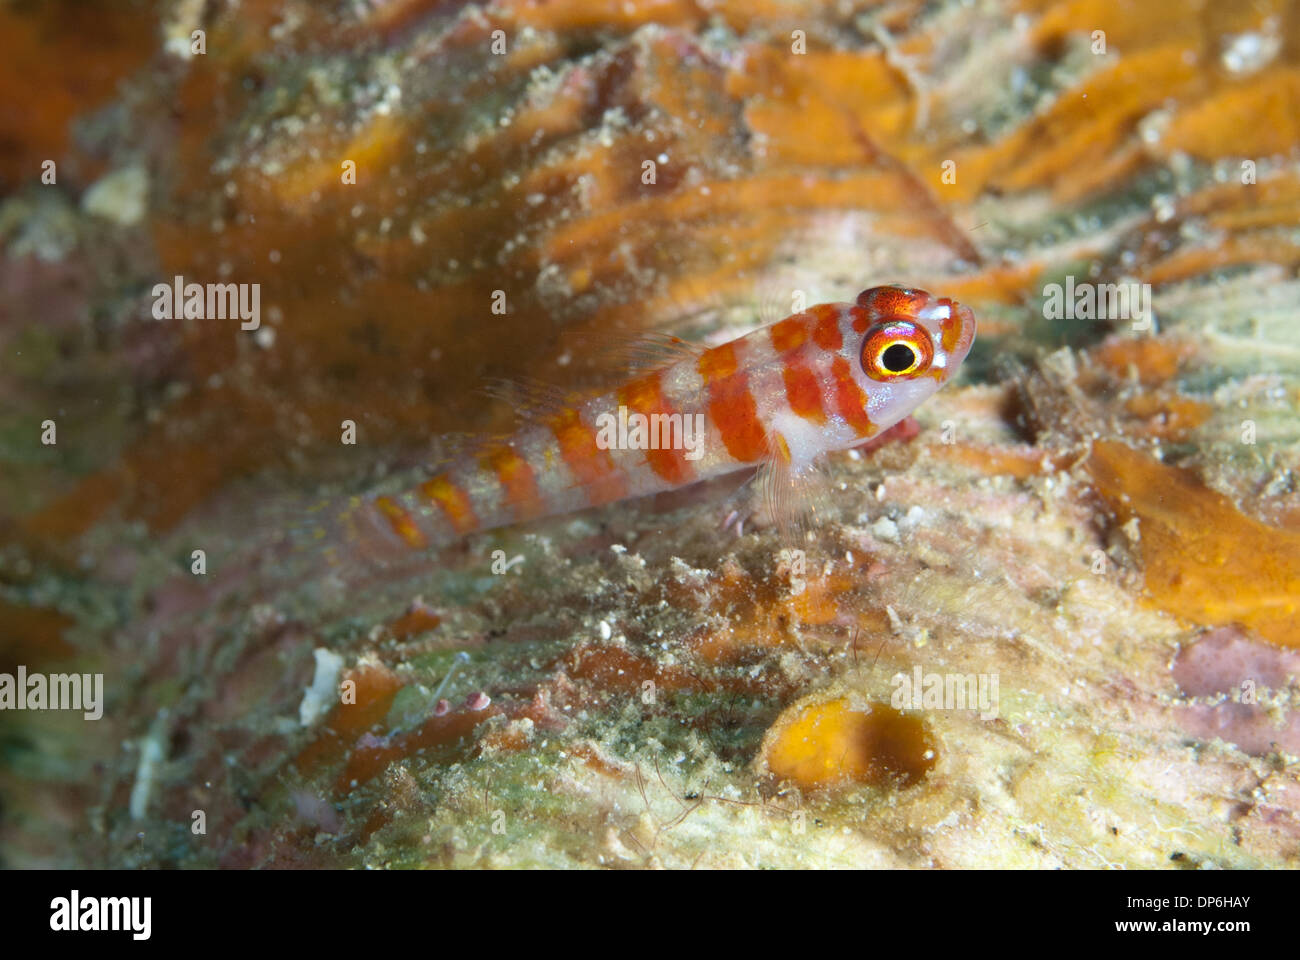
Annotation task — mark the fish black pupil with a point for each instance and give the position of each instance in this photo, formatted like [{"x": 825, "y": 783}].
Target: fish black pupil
[{"x": 897, "y": 357}]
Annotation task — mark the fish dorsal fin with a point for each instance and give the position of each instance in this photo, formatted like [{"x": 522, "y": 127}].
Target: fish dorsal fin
[
  {"x": 446, "y": 448},
  {"x": 786, "y": 293},
  {"x": 608, "y": 359},
  {"x": 532, "y": 400},
  {"x": 771, "y": 307},
  {"x": 653, "y": 350},
  {"x": 618, "y": 352}
]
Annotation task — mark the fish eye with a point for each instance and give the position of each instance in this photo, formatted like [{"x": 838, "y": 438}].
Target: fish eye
[
  {"x": 899, "y": 357},
  {"x": 896, "y": 350}
]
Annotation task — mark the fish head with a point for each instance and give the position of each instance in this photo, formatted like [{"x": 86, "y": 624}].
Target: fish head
[{"x": 908, "y": 344}]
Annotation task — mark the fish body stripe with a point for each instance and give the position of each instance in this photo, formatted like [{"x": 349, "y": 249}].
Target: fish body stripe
[
  {"x": 849, "y": 400},
  {"x": 821, "y": 324},
  {"x": 826, "y": 327},
  {"x": 732, "y": 409},
  {"x": 402, "y": 523},
  {"x": 803, "y": 391},
  {"x": 591, "y": 466},
  {"x": 454, "y": 502},
  {"x": 518, "y": 481},
  {"x": 645, "y": 396},
  {"x": 718, "y": 364},
  {"x": 789, "y": 334}
]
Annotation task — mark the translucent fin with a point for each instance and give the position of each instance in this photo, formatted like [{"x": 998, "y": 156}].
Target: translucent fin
[
  {"x": 447, "y": 448},
  {"x": 772, "y": 306},
  {"x": 299, "y": 552},
  {"x": 627, "y": 352},
  {"x": 795, "y": 501},
  {"x": 532, "y": 400},
  {"x": 785, "y": 292}
]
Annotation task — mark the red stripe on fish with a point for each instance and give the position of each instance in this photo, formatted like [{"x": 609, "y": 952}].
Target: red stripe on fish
[
  {"x": 517, "y": 479},
  {"x": 731, "y": 406},
  {"x": 401, "y": 522},
  {"x": 789, "y": 334},
  {"x": 592, "y": 467},
  {"x": 645, "y": 396},
  {"x": 826, "y": 326},
  {"x": 453, "y": 501},
  {"x": 803, "y": 391},
  {"x": 849, "y": 398}
]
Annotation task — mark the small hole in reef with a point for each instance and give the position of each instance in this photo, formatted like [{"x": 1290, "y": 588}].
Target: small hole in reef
[{"x": 898, "y": 357}]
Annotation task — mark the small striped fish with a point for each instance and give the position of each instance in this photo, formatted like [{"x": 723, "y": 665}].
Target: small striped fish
[{"x": 830, "y": 378}]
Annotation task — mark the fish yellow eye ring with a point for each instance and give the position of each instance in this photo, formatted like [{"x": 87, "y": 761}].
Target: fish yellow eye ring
[{"x": 896, "y": 350}]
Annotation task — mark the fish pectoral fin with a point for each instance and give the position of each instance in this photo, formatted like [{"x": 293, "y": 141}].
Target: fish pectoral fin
[{"x": 795, "y": 498}]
